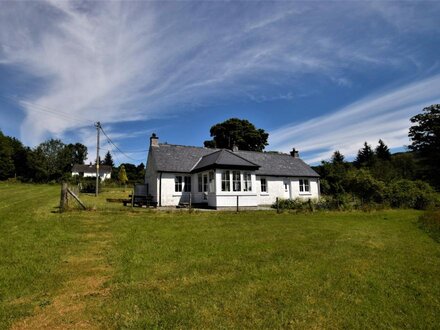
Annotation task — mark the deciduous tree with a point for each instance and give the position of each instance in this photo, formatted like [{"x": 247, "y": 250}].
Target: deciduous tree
[{"x": 237, "y": 132}]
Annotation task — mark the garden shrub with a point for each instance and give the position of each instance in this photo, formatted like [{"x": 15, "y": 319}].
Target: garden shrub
[{"x": 411, "y": 194}]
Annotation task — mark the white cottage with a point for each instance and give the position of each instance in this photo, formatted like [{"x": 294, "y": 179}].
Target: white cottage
[
  {"x": 215, "y": 177},
  {"x": 105, "y": 171}
]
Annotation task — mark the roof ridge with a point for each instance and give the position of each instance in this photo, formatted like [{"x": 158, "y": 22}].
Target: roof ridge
[
  {"x": 241, "y": 157},
  {"x": 183, "y": 145}
]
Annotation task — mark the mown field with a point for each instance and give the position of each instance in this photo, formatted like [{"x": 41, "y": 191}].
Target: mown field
[{"x": 113, "y": 267}]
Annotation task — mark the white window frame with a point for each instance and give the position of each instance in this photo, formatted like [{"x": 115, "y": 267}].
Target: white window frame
[
  {"x": 247, "y": 181},
  {"x": 236, "y": 180},
  {"x": 226, "y": 181},
  {"x": 178, "y": 183},
  {"x": 304, "y": 186},
  {"x": 211, "y": 181}
]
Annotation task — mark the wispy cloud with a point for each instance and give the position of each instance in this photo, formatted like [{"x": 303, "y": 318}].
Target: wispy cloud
[
  {"x": 382, "y": 115},
  {"x": 131, "y": 61}
]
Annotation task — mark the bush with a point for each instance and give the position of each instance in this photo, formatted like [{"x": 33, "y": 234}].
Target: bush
[
  {"x": 411, "y": 194},
  {"x": 430, "y": 222},
  {"x": 297, "y": 204},
  {"x": 88, "y": 185},
  {"x": 365, "y": 186}
]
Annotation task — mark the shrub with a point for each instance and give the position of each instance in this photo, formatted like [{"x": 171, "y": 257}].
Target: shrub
[
  {"x": 297, "y": 204},
  {"x": 411, "y": 194},
  {"x": 430, "y": 222},
  {"x": 365, "y": 186},
  {"x": 88, "y": 185}
]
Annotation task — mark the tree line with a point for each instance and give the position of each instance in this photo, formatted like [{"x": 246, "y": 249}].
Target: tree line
[{"x": 52, "y": 161}]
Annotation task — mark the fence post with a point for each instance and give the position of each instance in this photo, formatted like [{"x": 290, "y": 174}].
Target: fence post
[
  {"x": 190, "y": 202},
  {"x": 278, "y": 205},
  {"x": 237, "y": 203},
  {"x": 63, "y": 197}
]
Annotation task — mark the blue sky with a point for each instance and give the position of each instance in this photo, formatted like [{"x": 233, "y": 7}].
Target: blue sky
[{"x": 318, "y": 76}]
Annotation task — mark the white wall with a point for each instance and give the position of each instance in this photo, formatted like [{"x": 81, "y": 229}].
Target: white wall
[
  {"x": 229, "y": 198},
  {"x": 102, "y": 176},
  {"x": 275, "y": 188},
  {"x": 219, "y": 199}
]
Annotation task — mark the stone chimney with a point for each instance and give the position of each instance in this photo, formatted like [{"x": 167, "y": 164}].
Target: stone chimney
[
  {"x": 154, "y": 140},
  {"x": 294, "y": 153}
]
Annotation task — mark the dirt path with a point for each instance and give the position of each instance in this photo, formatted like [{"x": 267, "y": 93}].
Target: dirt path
[{"x": 70, "y": 307}]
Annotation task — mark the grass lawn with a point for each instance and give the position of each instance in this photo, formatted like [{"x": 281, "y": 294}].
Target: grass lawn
[{"x": 120, "y": 268}]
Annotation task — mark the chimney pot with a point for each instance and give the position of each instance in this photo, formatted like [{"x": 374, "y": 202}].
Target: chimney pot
[
  {"x": 294, "y": 153},
  {"x": 154, "y": 140}
]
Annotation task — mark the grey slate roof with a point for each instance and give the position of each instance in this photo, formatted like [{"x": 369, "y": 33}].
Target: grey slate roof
[
  {"x": 91, "y": 168},
  {"x": 183, "y": 159},
  {"x": 223, "y": 158}
]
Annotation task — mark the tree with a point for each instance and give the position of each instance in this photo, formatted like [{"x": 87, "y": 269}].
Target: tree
[
  {"x": 337, "y": 157},
  {"x": 382, "y": 151},
  {"x": 365, "y": 156},
  {"x": 122, "y": 176},
  {"x": 108, "y": 160},
  {"x": 78, "y": 153},
  {"x": 425, "y": 136},
  {"x": 7, "y": 167},
  {"x": 237, "y": 132},
  {"x": 49, "y": 160}
]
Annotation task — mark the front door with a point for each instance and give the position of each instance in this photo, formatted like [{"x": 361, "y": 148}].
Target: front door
[{"x": 286, "y": 189}]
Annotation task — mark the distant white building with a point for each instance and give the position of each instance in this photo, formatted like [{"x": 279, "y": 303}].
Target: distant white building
[
  {"x": 215, "y": 177},
  {"x": 105, "y": 171}
]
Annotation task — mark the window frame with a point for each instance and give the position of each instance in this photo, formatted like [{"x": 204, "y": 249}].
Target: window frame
[
  {"x": 247, "y": 181},
  {"x": 236, "y": 180},
  {"x": 211, "y": 181},
  {"x": 226, "y": 181},
  {"x": 205, "y": 182},
  {"x": 304, "y": 186},
  {"x": 178, "y": 183}
]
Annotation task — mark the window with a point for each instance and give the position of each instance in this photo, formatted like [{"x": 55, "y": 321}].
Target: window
[
  {"x": 187, "y": 185},
  {"x": 236, "y": 181},
  {"x": 205, "y": 182},
  {"x": 226, "y": 181},
  {"x": 211, "y": 182},
  {"x": 304, "y": 185},
  {"x": 178, "y": 184},
  {"x": 247, "y": 181},
  {"x": 263, "y": 185},
  {"x": 200, "y": 183}
]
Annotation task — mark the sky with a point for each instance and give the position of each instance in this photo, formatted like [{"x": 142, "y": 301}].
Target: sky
[{"x": 318, "y": 76}]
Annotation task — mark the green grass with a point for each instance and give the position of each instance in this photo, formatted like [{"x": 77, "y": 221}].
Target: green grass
[{"x": 146, "y": 269}]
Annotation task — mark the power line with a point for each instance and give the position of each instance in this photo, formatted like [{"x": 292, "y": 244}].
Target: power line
[
  {"x": 47, "y": 110},
  {"x": 117, "y": 148}
]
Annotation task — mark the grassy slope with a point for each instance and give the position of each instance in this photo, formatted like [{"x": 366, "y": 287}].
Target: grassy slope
[{"x": 206, "y": 270}]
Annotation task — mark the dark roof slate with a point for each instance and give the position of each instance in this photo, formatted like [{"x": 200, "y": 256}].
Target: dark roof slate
[
  {"x": 80, "y": 168},
  {"x": 277, "y": 164},
  {"x": 225, "y": 159},
  {"x": 184, "y": 159}
]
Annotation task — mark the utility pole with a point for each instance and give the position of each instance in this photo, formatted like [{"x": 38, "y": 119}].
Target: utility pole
[{"x": 98, "y": 127}]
